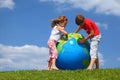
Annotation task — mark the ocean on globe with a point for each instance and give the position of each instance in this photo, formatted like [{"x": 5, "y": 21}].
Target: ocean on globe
[{"x": 71, "y": 54}]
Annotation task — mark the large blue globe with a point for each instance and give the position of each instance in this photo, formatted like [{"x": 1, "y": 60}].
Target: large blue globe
[{"x": 71, "y": 54}]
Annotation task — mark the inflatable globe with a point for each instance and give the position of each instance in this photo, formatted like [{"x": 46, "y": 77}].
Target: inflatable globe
[{"x": 71, "y": 54}]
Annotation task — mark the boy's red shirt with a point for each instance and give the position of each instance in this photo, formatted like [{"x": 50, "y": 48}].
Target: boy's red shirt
[{"x": 90, "y": 25}]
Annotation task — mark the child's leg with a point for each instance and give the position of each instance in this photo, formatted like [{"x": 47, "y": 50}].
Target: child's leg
[
  {"x": 97, "y": 63},
  {"x": 93, "y": 54},
  {"x": 49, "y": 64},
  {"x": 92, "y": 62},
  {"x": 53, "y": 66},
  {"x": 53, "y": 54}
]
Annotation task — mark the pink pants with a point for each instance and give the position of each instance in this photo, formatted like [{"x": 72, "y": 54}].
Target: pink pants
[{"x": 52, "y": 49}]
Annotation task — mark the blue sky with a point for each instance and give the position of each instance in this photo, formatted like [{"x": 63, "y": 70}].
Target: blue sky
[{"x": 25, "y": 29}]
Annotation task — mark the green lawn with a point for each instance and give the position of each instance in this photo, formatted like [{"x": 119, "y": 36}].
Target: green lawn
[{"x": 101, "y": 74}]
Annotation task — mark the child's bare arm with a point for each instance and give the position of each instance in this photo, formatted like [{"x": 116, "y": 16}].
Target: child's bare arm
[
  {"x": 62, "y": 30},
  {"x": 90, "y": 35},
  {"x": 87, "y": 37}
]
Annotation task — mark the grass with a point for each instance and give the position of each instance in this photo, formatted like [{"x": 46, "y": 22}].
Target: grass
[{"x": 101, "y": 74}]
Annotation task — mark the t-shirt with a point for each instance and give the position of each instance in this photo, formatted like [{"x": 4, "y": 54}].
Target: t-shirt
[
  {"x": 90, "y": 25},
  {"x": 55, "y": 34}
]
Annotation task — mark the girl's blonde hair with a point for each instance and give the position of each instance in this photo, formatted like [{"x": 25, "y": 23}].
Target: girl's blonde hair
[{"x": 58, "y": 20}]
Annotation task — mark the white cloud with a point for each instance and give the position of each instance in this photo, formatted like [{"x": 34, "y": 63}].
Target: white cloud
[
  {"x": 98, "y": 6},
  {"x": 7, "y": 4},
  {"x": 102, "y": 25},
  {"x": 24, "y": 57}
]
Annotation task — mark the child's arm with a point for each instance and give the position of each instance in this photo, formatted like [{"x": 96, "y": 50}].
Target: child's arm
[
  {"x": 87, "y": 37},
  {"x": 90, "y": 35},
  {"x": 62, "y": 30},
  {"x": 78, "y": 29}
]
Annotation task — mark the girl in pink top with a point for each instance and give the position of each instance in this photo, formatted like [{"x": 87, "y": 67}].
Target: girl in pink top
[
  {"x": 93, "y": 34},
  {"x": 58, "y": 26}
]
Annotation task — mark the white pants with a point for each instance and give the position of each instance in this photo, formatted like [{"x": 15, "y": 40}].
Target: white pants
[{"x": 94, "y": 46}]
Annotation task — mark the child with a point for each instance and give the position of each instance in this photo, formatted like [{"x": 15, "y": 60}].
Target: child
[
  {"x": 93, "y": 34},
  {"x": 58, "y": 26}
]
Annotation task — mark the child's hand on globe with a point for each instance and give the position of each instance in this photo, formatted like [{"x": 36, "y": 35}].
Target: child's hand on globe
[
  {"x": 82, "y": 40},
  {"x": 65, "y": 37}
]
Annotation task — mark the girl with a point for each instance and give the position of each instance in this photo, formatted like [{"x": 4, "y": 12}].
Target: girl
[
  {"x": 58, "y": 26},
  {"x": 93, "y": 34}
]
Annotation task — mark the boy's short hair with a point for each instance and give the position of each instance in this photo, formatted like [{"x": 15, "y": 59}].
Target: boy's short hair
[{"x": 79, "y": 19}]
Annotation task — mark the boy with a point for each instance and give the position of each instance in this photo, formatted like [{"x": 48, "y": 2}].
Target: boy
[{"x": 93, "y": 34}]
